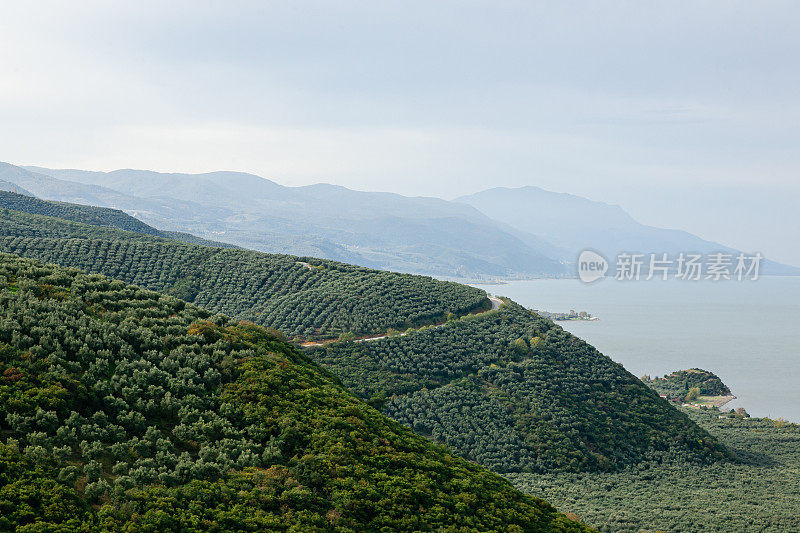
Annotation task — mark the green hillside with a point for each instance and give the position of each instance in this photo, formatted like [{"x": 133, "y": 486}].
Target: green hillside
[
  {"x": 678, "y": 384},
  {"x": 505, "y": 388},
  {"x": 759, "y": 492},
  {"x": 311, "y": 298},
  {"x": 94, "y": 216},
  {"x": 517, "y": 393},
  {"x": 122, "y": 409}
]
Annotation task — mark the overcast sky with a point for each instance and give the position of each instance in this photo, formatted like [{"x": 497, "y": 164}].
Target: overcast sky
[{"x": 685, "y": 113}]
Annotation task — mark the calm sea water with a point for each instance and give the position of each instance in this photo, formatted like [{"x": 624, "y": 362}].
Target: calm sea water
[{"x": 745, "y": 332}]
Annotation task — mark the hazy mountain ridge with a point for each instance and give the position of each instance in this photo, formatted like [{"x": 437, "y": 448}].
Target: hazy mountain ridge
[
  {"x": 50, "y": 188},
  {"x": 575, "y": 223},
  {"x": 498, "y": 233},
  {"x": 379, "y": 230}
]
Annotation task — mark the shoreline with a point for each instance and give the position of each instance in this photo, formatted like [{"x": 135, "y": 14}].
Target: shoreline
[
  {"x": 710, "y": 401},
  {"x": 723, "y": 400}
]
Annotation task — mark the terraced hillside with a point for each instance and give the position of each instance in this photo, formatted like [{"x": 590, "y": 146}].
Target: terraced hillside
[
  {"x": 125, "y": 410},
  {"x": 310, "y": 298}
]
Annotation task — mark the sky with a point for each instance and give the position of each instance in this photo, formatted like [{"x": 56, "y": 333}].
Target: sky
[{"x": 687, "y": 114}]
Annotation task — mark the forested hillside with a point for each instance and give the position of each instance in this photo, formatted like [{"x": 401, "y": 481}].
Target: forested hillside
[
  {"x": 678, "y": 384},
  {"x": 517, "y": 393},
  {"x": 758, "y": 492},
  {"x": 504, "y": 388},
  {"x": 310, "y": 298},
  {"x": 123, "y": 409},
  {"x": 95, "y": 216}
]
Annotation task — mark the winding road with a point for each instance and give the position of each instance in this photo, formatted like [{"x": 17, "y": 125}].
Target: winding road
[{"x": 496, "y": 303}]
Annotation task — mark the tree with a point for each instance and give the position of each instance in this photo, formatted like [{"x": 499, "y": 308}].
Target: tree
[
  {"x": 520, "y": 346},
  {"x": 693, "y": 394}
]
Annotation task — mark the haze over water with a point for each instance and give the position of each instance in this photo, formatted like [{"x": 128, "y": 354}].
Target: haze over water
[{"x": 745, "y": 332}]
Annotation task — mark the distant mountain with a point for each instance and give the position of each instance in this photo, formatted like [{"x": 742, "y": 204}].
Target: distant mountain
[
  {"x": 498, "y": 233},
  {"x": 50, "y": 188},
  {"x": 379, "y": 230},
  {"x": 573, "y": 224},
  {"x": 12, "y": 187}
]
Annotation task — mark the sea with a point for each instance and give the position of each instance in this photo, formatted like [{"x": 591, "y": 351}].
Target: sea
[{"x": 746, "y": 332}]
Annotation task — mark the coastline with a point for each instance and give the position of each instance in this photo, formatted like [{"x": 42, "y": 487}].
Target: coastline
[
  {"x": 719, "y": 401},
  {"x": 710, "y": 401}
]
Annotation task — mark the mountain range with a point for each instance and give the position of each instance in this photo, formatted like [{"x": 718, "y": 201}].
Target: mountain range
[{"x": 499, "y": 233}]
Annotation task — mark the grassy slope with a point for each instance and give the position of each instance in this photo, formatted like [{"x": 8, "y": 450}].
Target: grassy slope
[{"x": 103, "y": 402}]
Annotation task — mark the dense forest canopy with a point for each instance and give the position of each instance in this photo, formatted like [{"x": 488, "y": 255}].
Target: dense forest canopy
[
  {"x": 309, "y": 298},
  {"x": 123, "y": 409}
]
